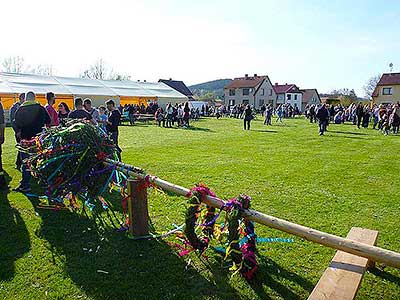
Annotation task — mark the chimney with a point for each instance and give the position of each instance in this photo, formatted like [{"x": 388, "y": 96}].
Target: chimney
[
  {"x": 170, "y": 79},
  {"x": 285, "y": 83},
  {"x": 255, "y": 74},
  {"x": 138, "y": 80},
  {"x": 144, "y": 80},
  {"x": 276, "y": 83},
  {"x": 246, "y": 76}
]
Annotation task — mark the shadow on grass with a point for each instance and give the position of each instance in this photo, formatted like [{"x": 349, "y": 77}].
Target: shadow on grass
[
  {"x": 348, "y": 132},
  {"x": 385, "y": 275},
  {"x": 107, "y": 265},
  {"x": 264, "y": 130},
  {"x": 198, "y": 129},
  {"x": 270, "y": 274},
  {"x": 14, "y": 236}
]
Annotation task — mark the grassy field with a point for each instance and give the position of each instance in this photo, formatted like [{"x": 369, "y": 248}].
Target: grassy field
[{"x": 350, "y": 177}]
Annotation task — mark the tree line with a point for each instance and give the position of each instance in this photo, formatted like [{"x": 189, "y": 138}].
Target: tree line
[{"x": 97, "y": 70}]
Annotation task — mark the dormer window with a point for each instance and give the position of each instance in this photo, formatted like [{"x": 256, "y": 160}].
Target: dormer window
[{"x": 387, "y": 91}]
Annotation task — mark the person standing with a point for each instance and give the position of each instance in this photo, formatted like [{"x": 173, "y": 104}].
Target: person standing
[
  {"x": 279, "y": 113},
  {"x": 312, "y": 113},
  {"x": 63, "y": 111},
  {"x": 186, "y": 114},
  {"x": 3, "y": 182},
  {"x": 80, "y": 112},
  {"x": 180, "y": 115},
  {"x": 112, "y": 123},
  {"x": 322, "y": 115},
  {"x": 103, "y": 117},
  {"x": 51, "y": 100},
  {"x": 87, "y": 104},
  {"x": 13, "y": 110},
  {"x": 359, "y": 112},
  {"x": 30, "y": 119},
  {"x": 248, "y": 116},
  {"x": 169, "y": 115}
]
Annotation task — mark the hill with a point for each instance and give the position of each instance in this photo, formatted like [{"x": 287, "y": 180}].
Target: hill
[{"x": 215, "y": 87}]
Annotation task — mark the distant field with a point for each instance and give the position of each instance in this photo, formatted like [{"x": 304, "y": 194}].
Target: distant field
[{"x": 350, "y": 177}]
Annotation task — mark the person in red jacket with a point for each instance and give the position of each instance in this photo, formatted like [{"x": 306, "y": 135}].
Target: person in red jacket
[{"x": 51, "y": 99}]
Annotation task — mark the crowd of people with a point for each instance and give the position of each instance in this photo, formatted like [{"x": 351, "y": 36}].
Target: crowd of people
[
  {"x": 28, "y": 117},
  {"x": 178, "y": 114},
  {"x": 382, "y": 117}
]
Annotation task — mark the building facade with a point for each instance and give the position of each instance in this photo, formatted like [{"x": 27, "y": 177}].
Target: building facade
[
  {"x": 256, "y": 91},
  {"x": 288, "y": 94},
  {"x": 310, "y": 97},
  {"x": 387, "y": 90}
]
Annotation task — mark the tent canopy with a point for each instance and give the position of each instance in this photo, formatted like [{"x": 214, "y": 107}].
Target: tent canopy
[
  {"x": 13, "y": 83},
  {"x": 22, "y": 83}
]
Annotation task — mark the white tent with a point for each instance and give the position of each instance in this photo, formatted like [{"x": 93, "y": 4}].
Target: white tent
[
  {"x": 21, "y": 83},
  {"x": 89, "y": 88},
  {"x": 97, "y": 90}
]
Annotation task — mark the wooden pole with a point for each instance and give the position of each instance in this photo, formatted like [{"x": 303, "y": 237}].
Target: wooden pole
[
  {"x": 373, "y": 253},
  {"x": 137, "y": 207}
]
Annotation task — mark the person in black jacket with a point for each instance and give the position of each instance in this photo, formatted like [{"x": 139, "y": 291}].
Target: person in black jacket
[
  {"x": 30, "y": 118},
  {"x": 359, "y": 114},
  {"x": 112, "y": 123},
  {"x": 248, "y": 116},
  {"x": 322, "y": 115},
  {"x": 3, "y": 182},
  {"x": 311, "y": 112}
]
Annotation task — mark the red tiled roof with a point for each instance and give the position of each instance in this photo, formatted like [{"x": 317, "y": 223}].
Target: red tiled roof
[
  {"x": 245, "y": 82},
  {"x": 285, "y": 88},
  {"x": 389, "y": 79},
  {"x": 386, "y": 79}
]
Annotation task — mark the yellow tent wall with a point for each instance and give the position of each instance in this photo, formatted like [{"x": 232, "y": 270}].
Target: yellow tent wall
[
  {"x": 68, "y": 99},
  {"x": 136, "y": 100},
  {"x": 7, "y": 100}
]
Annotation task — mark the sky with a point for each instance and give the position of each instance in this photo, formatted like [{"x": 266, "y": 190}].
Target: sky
[{"x": 314, "y": 44}]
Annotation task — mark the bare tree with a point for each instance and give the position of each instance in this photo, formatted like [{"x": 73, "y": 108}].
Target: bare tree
[
  {"x": 47, "y": 70},
  {"x": 121, "y": 77},
  {"x": 13, "y": 64},
  {"x": 370, "y": 86},
  {"x": 99, "y": 70}
]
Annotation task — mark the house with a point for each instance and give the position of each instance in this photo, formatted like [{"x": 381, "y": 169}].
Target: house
[
  {"x": 288, "y": 94},
  {"x": 255, "y": 90},
  {"x": 310, "y": 96},
  {"x": 387, "y": 90},
  {"x": 178, "y": 86}
]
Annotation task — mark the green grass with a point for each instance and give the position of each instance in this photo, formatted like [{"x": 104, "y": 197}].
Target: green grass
[{"x": 347, "y": 178}]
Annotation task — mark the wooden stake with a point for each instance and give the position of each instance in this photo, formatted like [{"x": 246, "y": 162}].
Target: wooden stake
[
  {"x": 373, "y": 253},
  {"x": 137, "y": 207}
]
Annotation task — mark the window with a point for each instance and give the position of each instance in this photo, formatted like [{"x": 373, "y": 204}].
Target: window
[
  {"x": 231, "y": 102},
  {"x": 295, "y": 97},
  {"x": 270, "y": 92},
  {"x": 262, "y": 92},
  {"x": 231, "y": 92},
  {"x": 280, "y": 97},
  {"x": 261, "y": 102},
  {"x": 246, "y": 92},
  {"x": 387, "y": 91},
  {"x": 245, "y": 101},
  {"x": 289, "y": 96},
  {"x": 313, "y": 100}
]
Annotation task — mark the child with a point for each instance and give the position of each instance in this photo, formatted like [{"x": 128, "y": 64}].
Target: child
[{"x": 102, "y": 117}]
